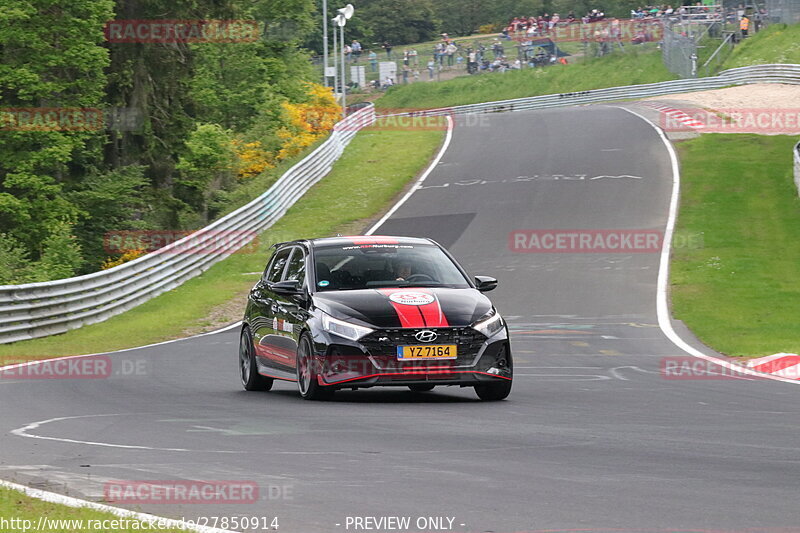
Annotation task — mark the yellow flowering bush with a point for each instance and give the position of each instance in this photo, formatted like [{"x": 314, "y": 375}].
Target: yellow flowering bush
[
  {"x": 308, "y": 121},
  {"x": 129, "y": 255},
  {"x": 252, "y": 159}
]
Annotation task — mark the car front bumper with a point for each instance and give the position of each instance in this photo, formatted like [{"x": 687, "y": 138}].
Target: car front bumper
[{"x": 360, "y": 364}]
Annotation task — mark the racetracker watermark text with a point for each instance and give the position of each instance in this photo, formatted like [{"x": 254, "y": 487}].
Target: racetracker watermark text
[
  {"x": 182, "y": 31},
  {"x": 606, "y": 241},
  {"x": 692, "y": 368},
  {"x": 784, "y": 121},
  {"x": 183, "y": 242},
  {"x": 585, "y": 241},
  {"x": 93, "y": 367},
  {"x": 178, "y": 492},
  {"x": 70, "y": 119}
]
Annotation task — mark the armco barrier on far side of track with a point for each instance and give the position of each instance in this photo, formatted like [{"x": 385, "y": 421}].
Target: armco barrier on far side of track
[{"x": 41, "y": 309}]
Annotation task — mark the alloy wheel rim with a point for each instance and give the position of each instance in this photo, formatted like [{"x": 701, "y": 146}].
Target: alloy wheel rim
[
  {"x": 303, "y": 369},
  {"x": 244, "y": 360}
]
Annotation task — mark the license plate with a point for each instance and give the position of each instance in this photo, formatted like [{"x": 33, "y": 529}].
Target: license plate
[{"x": 427, "y": 351}]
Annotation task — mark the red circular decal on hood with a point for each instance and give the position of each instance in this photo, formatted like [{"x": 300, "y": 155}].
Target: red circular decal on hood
[{"x": 411, "y": 298}]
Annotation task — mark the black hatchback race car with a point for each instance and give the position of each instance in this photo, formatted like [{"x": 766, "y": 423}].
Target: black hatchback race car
[{"x": 365, "y": 311}]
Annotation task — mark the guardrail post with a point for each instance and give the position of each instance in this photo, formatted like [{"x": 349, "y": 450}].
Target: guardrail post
[{"x": 797, "y": 167}]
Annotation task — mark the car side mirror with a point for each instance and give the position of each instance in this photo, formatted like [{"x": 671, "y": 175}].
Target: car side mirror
[
  {"x": 289, "y": 288},
  {"x": 485, "y": 283},
  {"x": 293, "y": 289}
]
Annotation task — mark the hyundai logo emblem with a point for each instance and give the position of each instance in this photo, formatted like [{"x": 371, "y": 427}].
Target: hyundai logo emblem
[{"x": 426, "y": 335}]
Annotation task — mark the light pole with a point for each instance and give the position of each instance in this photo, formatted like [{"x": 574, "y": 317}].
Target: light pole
[
  {"x": 341, "y": 19},
  {"x": 325, "y": 41},
  {"x": 335, "y": 57}
]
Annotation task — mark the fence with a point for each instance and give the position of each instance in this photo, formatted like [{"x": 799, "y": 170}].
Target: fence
[
  {"x": 778, "y": 73},
  {"x": 41, "y": 309},
  {"x": 786, "y": 11},
  {"x": 797, "y": 167},
  {"x": 679, "y": 53}
]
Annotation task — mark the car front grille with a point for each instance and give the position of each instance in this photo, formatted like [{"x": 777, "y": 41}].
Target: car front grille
[{"x": 382, "y": 344}]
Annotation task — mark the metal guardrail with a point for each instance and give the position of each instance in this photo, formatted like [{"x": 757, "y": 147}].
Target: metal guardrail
[
  {"x": 738, "y": 76},
  {"x": 41, "y": 309},
  {"x": 796, "y": 153}
]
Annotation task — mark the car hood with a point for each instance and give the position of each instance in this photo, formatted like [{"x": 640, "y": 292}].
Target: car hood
[{"x": 406, "y": 307}]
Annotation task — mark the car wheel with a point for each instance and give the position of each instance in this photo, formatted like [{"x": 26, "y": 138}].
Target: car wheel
[
  {"x": 248, "y": 370},
  {"x": 307, "y": 383},
  {"x": 422, "y": 387},
  {"x": 492, "y": 392}
]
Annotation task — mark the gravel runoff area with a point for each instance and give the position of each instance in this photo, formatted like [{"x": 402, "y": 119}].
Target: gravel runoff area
[{"x": 743, "y": 99}]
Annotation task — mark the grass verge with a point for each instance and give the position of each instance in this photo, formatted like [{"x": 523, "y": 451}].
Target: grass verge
[
  {"x": 22, "y": 513},
  {"x": 375, "y": 167},
  {"x": 739, "y": 291},
  {"x": 780, "y": 43},
  {"x": 636, "y": 66}
]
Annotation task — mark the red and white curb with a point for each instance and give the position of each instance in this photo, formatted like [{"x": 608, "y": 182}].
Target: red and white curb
[
  {"x": 662, "y": 300},
  {"x": 784, "y": 365},
  {"x": 676, "y": 116}
]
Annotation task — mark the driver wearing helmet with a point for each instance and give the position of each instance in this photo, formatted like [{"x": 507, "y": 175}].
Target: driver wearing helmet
[{"x": 403, "y": 270}]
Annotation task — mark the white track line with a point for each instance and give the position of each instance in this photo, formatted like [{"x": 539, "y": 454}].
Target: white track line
[
  {"x": 124, "y": 513},
  {"x": 42, "y": 361},
  {"x": 422, "y": 178},
  {"x": 60, "y": 499},
  {"x": 394, "y": 208},
  {"x": 23, "y": 432},
  {"x": 662, "y": 303}
]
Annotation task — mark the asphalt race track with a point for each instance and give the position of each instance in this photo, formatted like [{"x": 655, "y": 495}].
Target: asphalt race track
[{"x": 592, "y": 438}]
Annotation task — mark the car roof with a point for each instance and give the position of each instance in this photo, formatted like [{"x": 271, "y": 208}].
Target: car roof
[{"x": 352, "y": 240}]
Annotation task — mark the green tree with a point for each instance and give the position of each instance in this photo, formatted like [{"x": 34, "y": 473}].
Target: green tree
[
  {"x": 412, "y": 21},
  {"x": 110, "y": 201},
  {"x": 49, "y": 58},
  {"x": 15, "y": 267},
  {"x": 61, "y": 254},
  {"x": 207, "y": 165},
  {"x": 463, "y": 17}
]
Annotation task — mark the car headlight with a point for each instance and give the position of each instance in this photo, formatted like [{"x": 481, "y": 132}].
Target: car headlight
[
  {"x": 344, "y": 329},
  {"x": 489, "y": 324}
]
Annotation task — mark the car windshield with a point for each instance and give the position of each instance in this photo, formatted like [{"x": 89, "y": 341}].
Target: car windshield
[{"x": 369, "y": 266}]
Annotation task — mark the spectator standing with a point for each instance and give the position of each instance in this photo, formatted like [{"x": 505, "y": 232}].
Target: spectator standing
[
  {"x": 497, "y": 49},
  {"x": 438, "y": 53},
  {"x": 450, "y": 51},
  {"x": 388, "y": 47},
  {"x": 472, "y": 61},
  {"x": 744, "y": 26},
  {"x": 481, "y": 52},
  {"x": 356, "y": 47},
  {"x": 373, "y": 60},
  {"x": 431, "y": 66},
  {"x": 412, "y": 54}
]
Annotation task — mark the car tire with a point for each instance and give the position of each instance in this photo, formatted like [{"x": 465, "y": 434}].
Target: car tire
[
  {"x": 307, "y": 383},
  {"x": 248, "y": 370},
  {"x": 422, "y": 387},
  {"x": 492, "y": 392}
]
